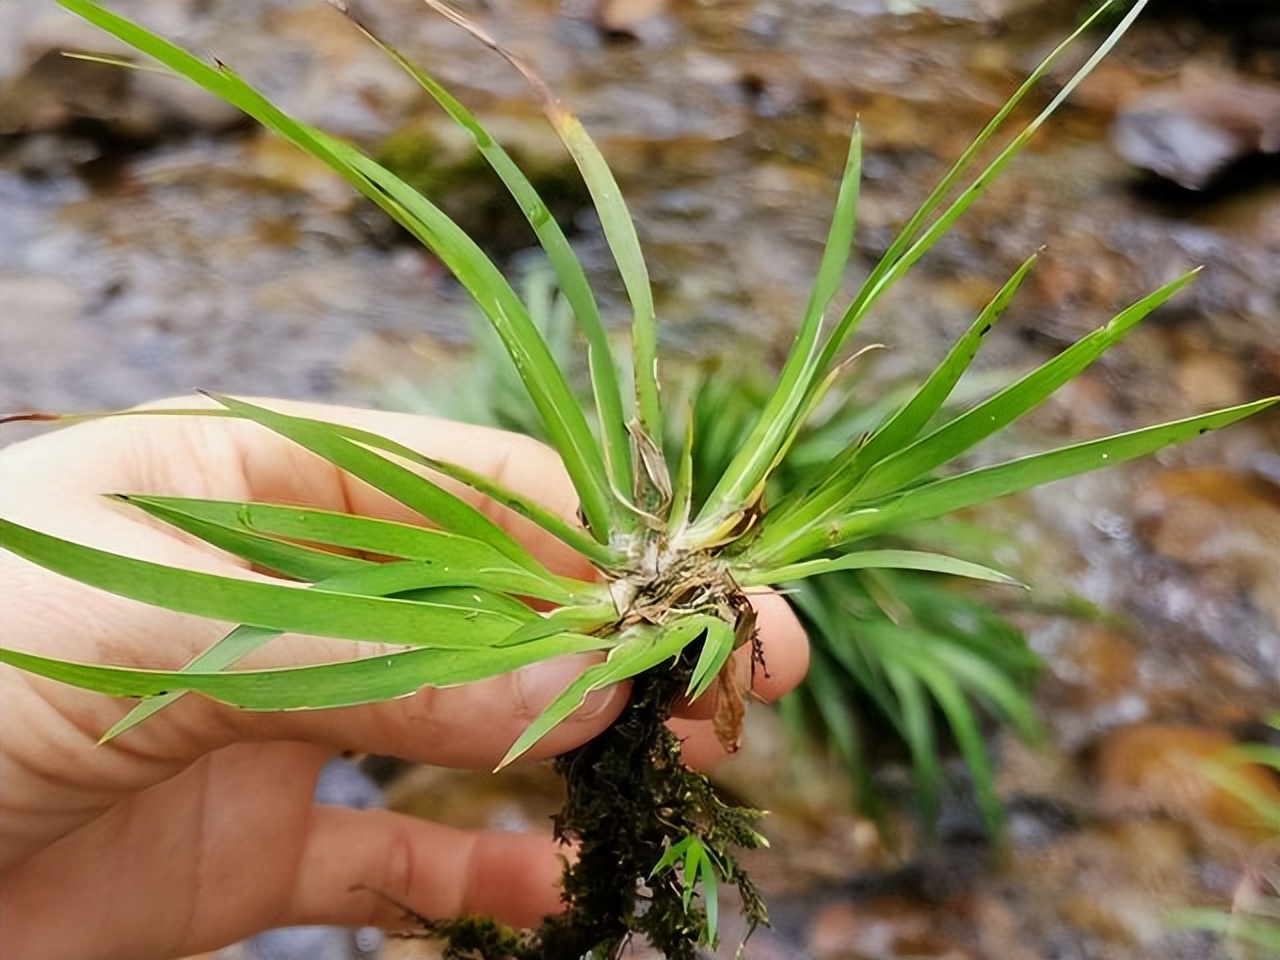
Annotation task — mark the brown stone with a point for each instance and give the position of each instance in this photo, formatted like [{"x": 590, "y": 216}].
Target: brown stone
[
  {"x": 1104, "y": 660},
  {"x": 1191, "y": 135},
  {"x": 1167, "y": 768},
  {"x": 1219, "y": 522},
  {"x": 627, "y": 17}
]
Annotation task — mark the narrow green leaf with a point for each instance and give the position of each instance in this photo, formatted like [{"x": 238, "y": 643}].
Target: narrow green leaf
[
  {"x": 1225, "y": 770},
  {"x": 866, "y": 559},
  {"x": 742, "y": 480},
  {"x": 568, "y": 270},
  {"x": 237, "y": 644},
  {"x": 277, "y": 606},
  {"x": 916, "y": 727},
  {"x": 992, "y": 415},
  {"x": 637, "y": 652},
  {"x": 717, "y": 646},
  {"x": 682, "y": 489},
  {"x": 457, "y": 560},
  {"x": 673, "y": 853},
  {"x": 265, "y": 552},
  {"x": 459, "y": 517},
  {"x": 964, "y": 726},
  {"x": 835, "y": 627},
  {"x": 847, "y": 468},
  {"x": 565, "y": 422},
  {"x": 232, "y": 648},
  {"x": 396, "y": 481},
  {"x": 711, "y": 900},
  {"x": 561, "y": 413},
  {"x": 982, "y": 679},
  {"x": 694, "y": 857},
  {"x": 911, "y": 244},
  {"x": 1260, "y": 753},
  {"x": 831, "y": 699},
  {"x": 620, "y": 234},
  {"x": 601, "y": 554},
  {"x": 870, "y": 476},
  {"x": 987, "y": 483},
  {"x": 589, "y": 618},
  {"x": 367, "y": 680},
  {"x": 1259, "y": 930},
  {"x": 241, "y": 642},
  {"x": 615, "y": 219},
  {"x": 912, "y": 417}
]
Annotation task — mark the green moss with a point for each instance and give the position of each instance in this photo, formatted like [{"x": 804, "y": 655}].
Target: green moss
[{"x": 628, "y": 799}]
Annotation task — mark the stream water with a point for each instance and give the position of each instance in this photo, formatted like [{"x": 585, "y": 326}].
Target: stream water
[{"x": 151, "y": 244}]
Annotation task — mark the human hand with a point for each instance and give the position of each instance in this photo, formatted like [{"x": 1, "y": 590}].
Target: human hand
[{"x": 197, "y": 828}]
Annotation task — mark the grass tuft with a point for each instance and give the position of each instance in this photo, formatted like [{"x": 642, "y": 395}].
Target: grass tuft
[{"x": 750, "y": 504}]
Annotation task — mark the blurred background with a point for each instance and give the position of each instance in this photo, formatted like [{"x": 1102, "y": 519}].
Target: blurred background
[{"x": 152, "y": 243}]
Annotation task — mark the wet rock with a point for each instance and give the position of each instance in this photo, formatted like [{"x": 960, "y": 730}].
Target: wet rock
[
  {"x": 1033, "y": 821},
  {"x": 1210, "y": 379},
  {"x": 41, "y": 89},
  {"x": 1164, "y": 768},
  {"x": 1220, "y": 523},
  {"x": 39, "y": 329},
  {"x": 983, "y": 11},
  {"x": 885, "y": 929},
  {"x": 1101, "y": 659},
  {"x": 1101, "y": 891},
  {"x": 283, "y": 165},
  {"x": 322, "y": 70},
  {"x": 1190, "y": 136},
  {"x": 307, "y": 57},
  {"x": 308, "y": 943},
  {"x": 638, "y": 19},
  {"x": 435, "y": 157},
  {"x": 728, "y": 155}
]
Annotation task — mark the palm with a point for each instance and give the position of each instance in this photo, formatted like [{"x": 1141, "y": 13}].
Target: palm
[{"x": 194, "y": 862}]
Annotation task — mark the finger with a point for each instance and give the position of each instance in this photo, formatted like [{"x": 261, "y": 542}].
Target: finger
[
  {"x": 785, "y": 650},
  {"x": 357, "y": 866}
]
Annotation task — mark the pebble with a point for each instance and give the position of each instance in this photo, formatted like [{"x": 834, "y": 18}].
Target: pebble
[
  {"x": 1190, "y": 136},
  {"x": 1163, "y": 768},
  {"x": 638, "y": 19},
  {"x": 1218, "y": 522}
]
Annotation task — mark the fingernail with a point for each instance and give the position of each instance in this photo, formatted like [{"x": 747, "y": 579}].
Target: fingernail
[{"x": 541, "y": 683}]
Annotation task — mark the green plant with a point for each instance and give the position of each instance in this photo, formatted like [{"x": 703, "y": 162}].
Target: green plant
[
  {"x": 670, "y": 604},
  {"x": 863, "y": 625},
  {"x": 1252, "y": 926}
]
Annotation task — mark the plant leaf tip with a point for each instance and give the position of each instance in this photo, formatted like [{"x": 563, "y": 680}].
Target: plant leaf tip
[{"x": 107, "y": 737}]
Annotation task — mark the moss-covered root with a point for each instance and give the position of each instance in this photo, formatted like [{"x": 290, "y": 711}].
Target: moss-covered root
[{"x": 628, "y": 799}]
